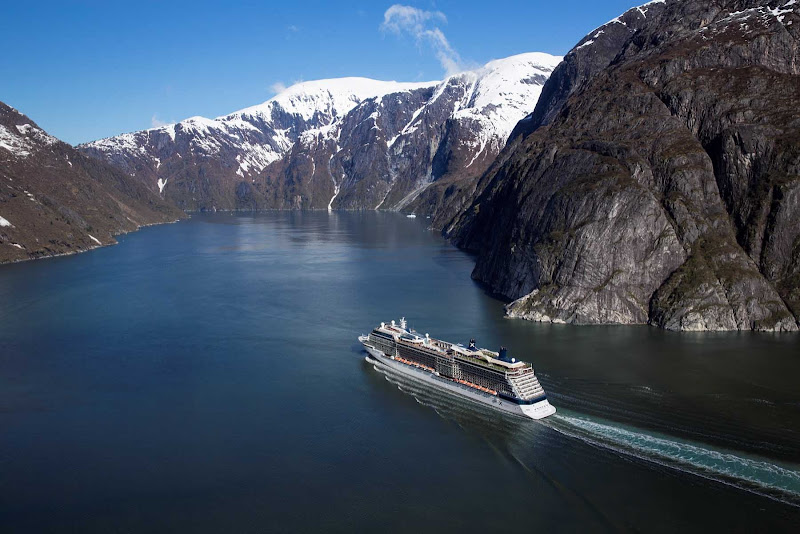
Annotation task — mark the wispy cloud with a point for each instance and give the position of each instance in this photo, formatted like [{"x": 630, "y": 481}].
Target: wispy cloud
[
  {"x": 423, "y": 26},
  {"x": 277, "y": 87},
  {"x": 292, "y": 32},
  {"x": 155, "y": 122}
]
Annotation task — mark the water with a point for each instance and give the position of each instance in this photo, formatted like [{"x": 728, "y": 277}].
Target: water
[{"x": 205, "y": 377}]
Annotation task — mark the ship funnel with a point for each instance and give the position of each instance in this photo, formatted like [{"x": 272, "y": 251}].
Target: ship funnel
[
  {"x": 503, "y": 353},
  {"x": 392, "y": 322},
  {"x": 403, "y": 323},
  {"x": 472, "y": 344}
]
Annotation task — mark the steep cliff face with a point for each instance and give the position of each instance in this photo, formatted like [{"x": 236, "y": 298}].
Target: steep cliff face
[
  {"x": 55, "y": 200},
  {"x": 339, "y": 144},
  {"x": 657, "y": 179}
]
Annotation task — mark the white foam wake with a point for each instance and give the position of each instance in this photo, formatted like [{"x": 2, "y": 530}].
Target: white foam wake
[{"x": 759, "y": 475}]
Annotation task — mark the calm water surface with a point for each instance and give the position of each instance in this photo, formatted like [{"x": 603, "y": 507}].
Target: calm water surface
[{"x": 205, "y": 377}]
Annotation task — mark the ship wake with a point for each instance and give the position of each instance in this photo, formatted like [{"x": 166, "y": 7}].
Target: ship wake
[
  {"x": 765, "y": 477},
  {"x": 758, "y": 475}
]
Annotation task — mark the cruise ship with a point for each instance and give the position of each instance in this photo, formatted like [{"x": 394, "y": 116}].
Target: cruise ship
[{"x": 491, "y": 378}]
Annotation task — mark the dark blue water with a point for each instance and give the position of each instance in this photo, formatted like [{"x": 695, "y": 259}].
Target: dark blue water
[{"x": 205, "y": 377}]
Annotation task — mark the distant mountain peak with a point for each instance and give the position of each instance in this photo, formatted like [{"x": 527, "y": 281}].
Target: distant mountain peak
[
  {"x": 339, "y": 95},
  {"x": 336, "y": 133}
]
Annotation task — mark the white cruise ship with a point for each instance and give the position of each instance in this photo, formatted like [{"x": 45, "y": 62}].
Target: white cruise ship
[{"x": 491, "y": 378}]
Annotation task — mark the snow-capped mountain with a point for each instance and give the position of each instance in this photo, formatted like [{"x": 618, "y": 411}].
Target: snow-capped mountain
[
  {"x": 348, "y": 142},
  {"x": 245, "y": 141}
]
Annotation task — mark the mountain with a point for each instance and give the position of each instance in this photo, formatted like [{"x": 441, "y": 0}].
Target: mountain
[
  {"x": 199, "y": 163},
  {"x": 658, "y": 179},
  {"x": 55, "y": 200},
  {"x": 348, "y": 143}
]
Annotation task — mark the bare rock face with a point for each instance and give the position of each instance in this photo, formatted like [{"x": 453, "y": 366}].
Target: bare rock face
[
  {"x": 54, "y": 200},
  {"x": 657, "y": 180},
  {"x": 348, "y": 143}
]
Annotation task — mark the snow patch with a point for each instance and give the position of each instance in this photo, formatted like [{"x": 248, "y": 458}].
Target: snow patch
[
  {"x": 642, "y": 10},
  {"x": 4, "y": 222},
  {"x": 779, "y": 13},
  {"x": 36, "y": 134},
  {"x": 405, "y": 129},
  {"x": 335, "y": 193},
  {"x": 615, "y": 20},
  {"x": 94, "y": 239},
  {"x": 18, "y": 146},
  {"x": 161, "y": 183},
  {"x": 760, "y": 13}
]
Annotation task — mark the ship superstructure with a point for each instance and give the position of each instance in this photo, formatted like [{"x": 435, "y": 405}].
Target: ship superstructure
[{"x": 483, "y": 375}]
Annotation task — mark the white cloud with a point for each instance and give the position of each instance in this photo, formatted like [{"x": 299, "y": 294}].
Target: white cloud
[
  {"x": 277, "y": 87},
  {"x": 292, "y": 28},
  {"x": 155, "y": 122},
  {"x": 423, "y": 27}
]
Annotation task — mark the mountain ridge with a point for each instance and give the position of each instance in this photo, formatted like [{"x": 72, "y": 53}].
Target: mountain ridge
[
  {"x": 55, "y": 200},
  {"x": 236, "y": 160},
  {"x": 677, "y": 204}
]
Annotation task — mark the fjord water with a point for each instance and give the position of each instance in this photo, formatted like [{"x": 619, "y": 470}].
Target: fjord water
[{"x": 205, "y": 376}]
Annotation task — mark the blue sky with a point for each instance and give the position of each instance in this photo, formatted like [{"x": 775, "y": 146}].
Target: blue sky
[{"x": 85, "y": 70}]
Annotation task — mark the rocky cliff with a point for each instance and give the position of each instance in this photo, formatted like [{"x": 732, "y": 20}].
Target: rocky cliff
[
  {"x": 658, "y": 178},
  {"x": 346, "y": 143},
  {"x": 55, "y": 200}
]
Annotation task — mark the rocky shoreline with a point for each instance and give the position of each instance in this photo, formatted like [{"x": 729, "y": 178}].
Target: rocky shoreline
[{"x": 679, "y": 204}]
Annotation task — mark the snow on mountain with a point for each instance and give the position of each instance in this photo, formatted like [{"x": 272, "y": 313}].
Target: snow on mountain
[
  {"x": 503, "y": 93},
  {"x": 497, "y": 96},
  {"x": 325, "y": 99},
  {"x": 225, "y": 162},
  {"x": 260, "y": 134},
  {"x": 388, "y": 151},
  {"x": 22, "y": 139},
  {"x": 505, "y": 90}
]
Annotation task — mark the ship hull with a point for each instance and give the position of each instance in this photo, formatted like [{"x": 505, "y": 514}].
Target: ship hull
[{"x": 537, "y": 410}]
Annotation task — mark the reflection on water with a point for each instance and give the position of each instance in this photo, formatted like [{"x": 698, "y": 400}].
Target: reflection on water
[{"x": 204, "y": 376}]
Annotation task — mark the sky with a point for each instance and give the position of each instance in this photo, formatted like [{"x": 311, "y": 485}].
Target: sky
[{"x": 91, "y": 69}]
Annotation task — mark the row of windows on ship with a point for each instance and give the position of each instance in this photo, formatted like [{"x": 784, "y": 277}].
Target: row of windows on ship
[{"x": 458, "y": 369}]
